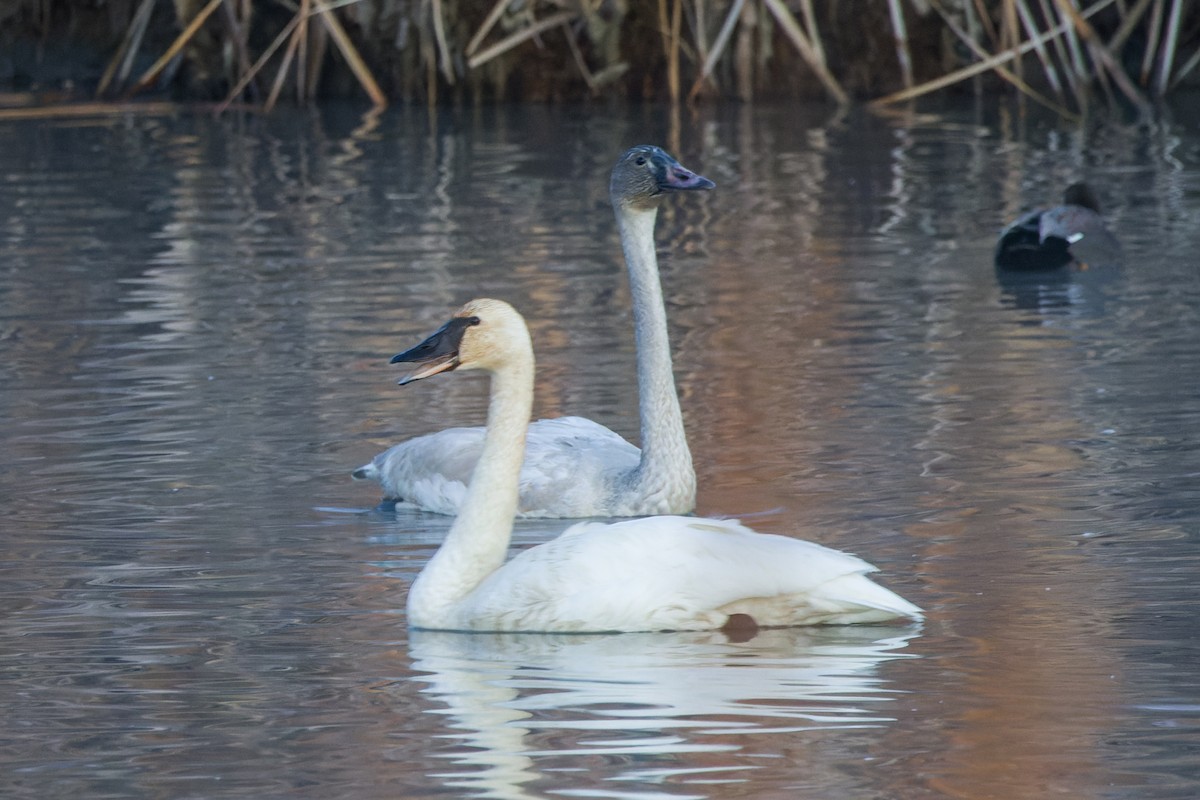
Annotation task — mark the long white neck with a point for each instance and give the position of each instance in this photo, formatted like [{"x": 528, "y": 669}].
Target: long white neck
[
  {"x": 477, "y": 543},
  {"x": 665, "y": 474}
]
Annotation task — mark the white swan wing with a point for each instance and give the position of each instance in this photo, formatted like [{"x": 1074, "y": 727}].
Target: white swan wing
[
  {"x": 572, "y": 468},
  {"x": 569, "y": 469},
  {"x": 677, "y": 573},
  {"x": 428, "y": 471}
]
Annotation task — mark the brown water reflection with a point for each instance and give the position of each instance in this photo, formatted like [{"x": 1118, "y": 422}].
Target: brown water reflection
[{"x": 195, "y": 318}]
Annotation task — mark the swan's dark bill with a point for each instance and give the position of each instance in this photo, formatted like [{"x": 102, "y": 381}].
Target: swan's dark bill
[
  {"x": 438, "y": 353},
  {"x": 667, "y": 174},
  {"x": 679, "y": 178}
]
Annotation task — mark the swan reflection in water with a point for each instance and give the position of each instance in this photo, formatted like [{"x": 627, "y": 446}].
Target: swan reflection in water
[{"x": 523, "y": 698}]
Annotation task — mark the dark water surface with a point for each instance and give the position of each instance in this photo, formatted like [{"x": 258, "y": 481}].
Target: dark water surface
[{"x": 195, "y": 321}]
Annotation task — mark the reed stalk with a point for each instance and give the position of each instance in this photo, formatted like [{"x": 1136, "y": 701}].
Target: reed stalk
[
  {"x": 810, "y": 25},
  {"x": 350, "y": 53},
  {"x": 122, "y": 62},
  {"x": 240, "y": 38},
  {"x": 1031, "y": 30},
  {"x": 1168, "y": 49},
  {"x": 1011, "y": 34},
  {"x": 95, "y": 109},
  {"x": 580, "y": 62},
  {"x": 1188, "y": 66},
  {"x": 1007, "y": 75},
  {"x": 445, "y": 49},
  {"x": 1151, "y": 41},
  {"x": 700, "y": 17},
  {"x": 288, "y": 55},
  {"x": 792, "y": 29},
  {"x": 1128, "y": 24},
  {"x": 987, "y": 64},
  {"x": 718, "y": 47},
  {"x": 302, "y": 37},
  {"x": 488, "y": 23},
  {"x": 983, "y": 18},
  {"x": 250, "y": 74},
  {"x": 1063, "y": 51},
  {"x": 900, "y": 33},
  {"x": 439, "y": 36},
  {"x": 670, "y": 30},
  {"x": 975, "y": 31},
  {"x": 150, "y": 75},
  {"x": 1101, "y": 56},
  {"x": 509, "y": 42}
]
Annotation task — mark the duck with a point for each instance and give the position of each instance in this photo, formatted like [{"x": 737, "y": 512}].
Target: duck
[
  {"x": 654, "y": 573},
  {"x": 575, "y": 467},
  {"x": 1050, "y": 238}
]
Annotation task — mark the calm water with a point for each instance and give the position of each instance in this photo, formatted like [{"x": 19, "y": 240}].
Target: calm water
[{"x": 195, "y": 321}]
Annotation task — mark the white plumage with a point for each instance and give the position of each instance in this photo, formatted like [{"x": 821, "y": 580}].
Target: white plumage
[
  {"x": 570, "y": 463},
  {"x": 655, "y": 573},
  {"x": 575, "y": 467},
  {"x": 673, "y": 573}
]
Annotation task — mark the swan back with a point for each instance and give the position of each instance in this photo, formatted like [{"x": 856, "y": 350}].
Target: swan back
[{"x": 676, "y": 573}]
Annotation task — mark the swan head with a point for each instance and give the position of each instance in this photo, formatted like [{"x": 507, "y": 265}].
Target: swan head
[
  {"x": 645, "y": 174},
  {"x": 483, "y": 334}
]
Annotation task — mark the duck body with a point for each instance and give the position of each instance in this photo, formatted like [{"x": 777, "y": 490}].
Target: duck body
[
  {"x": 645, "y": 574},
  {"x": 1052, "y": 238},
  {"x": 575, "y": 467},
  {"x": 1021, "y": 246}
]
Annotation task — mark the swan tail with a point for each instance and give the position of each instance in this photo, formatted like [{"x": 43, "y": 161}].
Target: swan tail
[
  {"x": 856, "y": 598},
  {"x": 367, "y": 472}
]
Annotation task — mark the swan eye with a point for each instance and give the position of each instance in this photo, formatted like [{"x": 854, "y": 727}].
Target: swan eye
[
  {"x": 640, "y": 161},
  {"x": 473, "y": 320}
]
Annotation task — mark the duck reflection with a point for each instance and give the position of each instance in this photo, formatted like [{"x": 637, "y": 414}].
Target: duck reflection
[{"x": 545, "y": 707}]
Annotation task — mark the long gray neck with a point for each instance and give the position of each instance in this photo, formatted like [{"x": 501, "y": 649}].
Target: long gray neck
[{"x": 665, "y": 471}]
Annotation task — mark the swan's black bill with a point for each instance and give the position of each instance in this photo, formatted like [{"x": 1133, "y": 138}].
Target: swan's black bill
[{"x": 438, "y": 353}]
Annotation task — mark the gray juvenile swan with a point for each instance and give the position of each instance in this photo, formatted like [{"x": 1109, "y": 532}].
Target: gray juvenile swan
[
  {"x": 647, "y": 574},
  {"x": 575, "y": 467}
]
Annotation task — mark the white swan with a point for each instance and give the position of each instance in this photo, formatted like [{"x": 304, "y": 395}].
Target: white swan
[
  {"x": 575, "y": 467},
  {"x": 655, "y": 573}
]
